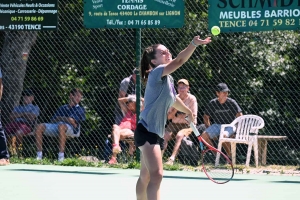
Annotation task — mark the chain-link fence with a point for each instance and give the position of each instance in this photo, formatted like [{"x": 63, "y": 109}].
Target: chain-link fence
[{"x": 260, "y": 68}]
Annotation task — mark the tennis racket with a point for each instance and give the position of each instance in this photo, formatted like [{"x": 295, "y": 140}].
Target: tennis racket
[{"x": 219, "y": 173}]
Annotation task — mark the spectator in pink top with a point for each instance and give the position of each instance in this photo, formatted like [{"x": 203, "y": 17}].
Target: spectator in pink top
[
  {"x": 177, "y": 122},
  {"x": 126, "y": 128}
]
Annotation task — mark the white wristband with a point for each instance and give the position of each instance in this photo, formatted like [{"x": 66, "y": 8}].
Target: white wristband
[{"x": 194, "y": 44}]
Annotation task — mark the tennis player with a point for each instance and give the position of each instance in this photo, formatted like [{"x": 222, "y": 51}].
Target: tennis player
[{"x": 156, "y": 67}]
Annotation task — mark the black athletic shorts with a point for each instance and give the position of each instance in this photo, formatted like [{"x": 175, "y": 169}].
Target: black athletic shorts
[{"x": 142, "y": 135}]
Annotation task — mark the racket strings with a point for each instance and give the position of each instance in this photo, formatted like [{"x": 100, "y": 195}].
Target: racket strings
[{"x": 220, "y": 173}]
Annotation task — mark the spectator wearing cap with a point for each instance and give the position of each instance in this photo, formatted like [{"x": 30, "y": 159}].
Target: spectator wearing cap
[
  {"x": 222, "y": 110},
  {"x": 126, "y": 128},
  {"x": 177, "y": 122},
  {"x": 127, "y": 87},
  {"x": 22, "y": 120}
]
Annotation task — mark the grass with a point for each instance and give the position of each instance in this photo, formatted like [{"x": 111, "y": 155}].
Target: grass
[
  {"x": 239, "y": 169},
  {"x": 81, "y": 163},
  {"x": 78, "y": 162}
]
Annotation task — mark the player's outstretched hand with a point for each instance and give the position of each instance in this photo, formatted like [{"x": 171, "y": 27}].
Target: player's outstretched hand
[{"x": 199, "y": 41}]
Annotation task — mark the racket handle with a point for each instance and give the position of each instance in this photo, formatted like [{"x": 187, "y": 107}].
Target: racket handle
[{"x": 201, "y": 145}]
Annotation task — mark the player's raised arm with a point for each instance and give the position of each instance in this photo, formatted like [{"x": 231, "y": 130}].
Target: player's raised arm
[{"x": 184, "y": 55}]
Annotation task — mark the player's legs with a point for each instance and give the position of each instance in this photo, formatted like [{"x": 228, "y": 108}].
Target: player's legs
[
  {"x": 150, "y": 178},
  {"x": 153, "y": 162},
  {"x": 143, "y": 181}
]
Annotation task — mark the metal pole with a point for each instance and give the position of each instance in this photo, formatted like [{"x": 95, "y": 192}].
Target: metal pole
[{"x": 138, "y": 80}]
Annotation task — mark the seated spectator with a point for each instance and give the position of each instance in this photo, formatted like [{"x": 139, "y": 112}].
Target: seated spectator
[
  {"x": 177, "y": 121},
  {"x": 23, "y": 119},
  {"x": 188, "y": 132},
  {"x": 127, "y": 87},
  {"x": 222, "y": 110},
  {"x": 65, "y": 123},
  {"x": 126, "y": 128}
]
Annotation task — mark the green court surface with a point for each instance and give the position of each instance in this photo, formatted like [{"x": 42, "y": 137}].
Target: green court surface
[{"x": 41, "y": 182}]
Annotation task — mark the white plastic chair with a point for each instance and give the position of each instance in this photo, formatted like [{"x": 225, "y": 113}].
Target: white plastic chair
[{"x": 244, "y": 125}]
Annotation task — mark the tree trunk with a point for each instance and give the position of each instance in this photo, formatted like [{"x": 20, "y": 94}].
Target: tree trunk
[{"x": 13, "y": 61}]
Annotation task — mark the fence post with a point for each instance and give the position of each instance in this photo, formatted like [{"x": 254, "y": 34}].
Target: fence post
[{"x": 138, "y": 80}]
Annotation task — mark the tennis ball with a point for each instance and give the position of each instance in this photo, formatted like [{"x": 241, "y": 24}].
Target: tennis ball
[{"x": 215, "y": 30}]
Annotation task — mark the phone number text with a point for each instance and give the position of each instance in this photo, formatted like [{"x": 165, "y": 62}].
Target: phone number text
[
  {"x": 259, "y": 23},
  {"x": 27, "y": 18},
  {"x": 117, "y": 22}
]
